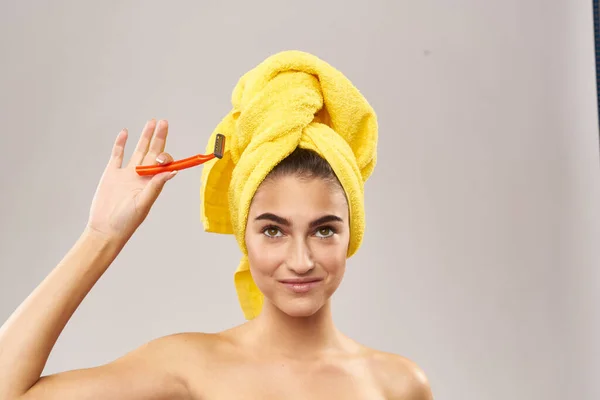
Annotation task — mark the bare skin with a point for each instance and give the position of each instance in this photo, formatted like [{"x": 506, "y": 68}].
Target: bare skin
[{"x": 267, "y": 358}]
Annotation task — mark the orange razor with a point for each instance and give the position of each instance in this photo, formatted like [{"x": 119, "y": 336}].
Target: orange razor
[{"x": 186, "y": 162}]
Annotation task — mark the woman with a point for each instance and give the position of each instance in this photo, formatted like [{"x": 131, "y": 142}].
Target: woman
[{"x": 296, "y": 238}]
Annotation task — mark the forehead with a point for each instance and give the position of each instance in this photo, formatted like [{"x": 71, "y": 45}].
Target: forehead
[{"x": 299, "y": 197}]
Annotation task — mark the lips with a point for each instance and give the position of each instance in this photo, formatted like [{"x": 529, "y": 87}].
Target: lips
[
  {"x": 301, "y": 285},
  {"x": 300, "y": 280}
]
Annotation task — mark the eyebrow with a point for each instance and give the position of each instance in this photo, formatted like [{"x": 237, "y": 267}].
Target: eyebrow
[{"x": 283, "y": 221}]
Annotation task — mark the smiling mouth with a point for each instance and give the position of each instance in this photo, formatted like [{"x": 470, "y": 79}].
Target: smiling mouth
[{"x": 301, "y": 285}]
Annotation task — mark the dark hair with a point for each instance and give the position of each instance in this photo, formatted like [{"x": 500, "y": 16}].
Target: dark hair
[{"x": 305, "y": 163}]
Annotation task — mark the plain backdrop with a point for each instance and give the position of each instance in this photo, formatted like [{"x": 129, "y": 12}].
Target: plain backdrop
[{"x": 481, "y": 257}]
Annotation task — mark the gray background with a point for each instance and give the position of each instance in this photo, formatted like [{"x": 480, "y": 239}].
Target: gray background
[{"x": 481, "y": 255}]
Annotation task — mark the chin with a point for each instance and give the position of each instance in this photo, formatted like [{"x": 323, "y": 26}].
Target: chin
[{"x": 300, "y": 307}]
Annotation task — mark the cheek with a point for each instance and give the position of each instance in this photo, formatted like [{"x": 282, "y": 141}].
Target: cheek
[
  {"x": 332, "y": 260},
  {"x": 264, "y": 258}
]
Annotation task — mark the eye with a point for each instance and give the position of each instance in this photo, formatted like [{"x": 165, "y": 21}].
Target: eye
[
  {"x": 272, "y": 231},
  {"x": 325, "y": 232}
]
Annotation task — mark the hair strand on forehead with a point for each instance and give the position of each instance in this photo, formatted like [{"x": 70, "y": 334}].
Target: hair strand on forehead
[{"x": 304, "y": 163}]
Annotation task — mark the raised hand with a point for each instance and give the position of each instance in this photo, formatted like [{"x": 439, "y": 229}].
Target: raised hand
[{"x": 123, "y": 198}]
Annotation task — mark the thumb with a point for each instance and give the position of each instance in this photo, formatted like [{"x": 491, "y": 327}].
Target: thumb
[{"x": 155, "y": 187}]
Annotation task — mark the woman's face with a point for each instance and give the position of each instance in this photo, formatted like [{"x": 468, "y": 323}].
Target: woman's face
[{"x": 297, "y": 239}]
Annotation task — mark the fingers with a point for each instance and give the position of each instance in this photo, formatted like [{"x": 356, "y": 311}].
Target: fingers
[
  {"x": 116, "y": 157},
  {"x": 143, "y": 144},
  {"x": 157, "y": 145},
  {"x": 164, "y": 158}
]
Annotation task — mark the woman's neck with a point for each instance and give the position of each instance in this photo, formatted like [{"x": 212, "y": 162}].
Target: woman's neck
[{"x": 276, "y": 333}]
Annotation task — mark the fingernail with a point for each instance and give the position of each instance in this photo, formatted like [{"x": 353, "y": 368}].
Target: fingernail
[
  {"x": 160, "y": 160},
  {"x": 172, "y": 174}
]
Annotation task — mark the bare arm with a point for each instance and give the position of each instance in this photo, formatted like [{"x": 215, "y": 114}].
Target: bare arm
[
  {"x": 29, "y": 335},
  {"x": 122, "y": 202},
  {"x": 150, "y": 372}
]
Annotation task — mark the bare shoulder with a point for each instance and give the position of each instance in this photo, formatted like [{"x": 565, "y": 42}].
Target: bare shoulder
[
  {"x": 400, "y": 377},
  {"x": 182, "y": 339},
  {"x": 162, "y": 368},
  {"x": 182, "y": 347},
  {"x": 191, "y": 353},
  {"x": 178, "y": 355}
]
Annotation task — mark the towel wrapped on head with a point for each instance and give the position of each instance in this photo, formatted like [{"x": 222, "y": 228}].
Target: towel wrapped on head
[{"x": 292, "y": 99}]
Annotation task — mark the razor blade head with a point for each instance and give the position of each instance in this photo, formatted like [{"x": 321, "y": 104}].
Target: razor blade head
[{"x": 219, "y": 145}]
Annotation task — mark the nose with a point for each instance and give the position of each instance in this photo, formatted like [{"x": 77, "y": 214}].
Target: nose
[{"x": 300, "y": 259}]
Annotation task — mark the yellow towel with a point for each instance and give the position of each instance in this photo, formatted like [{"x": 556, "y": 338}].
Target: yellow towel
[{"x": 292, "y": 99}]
